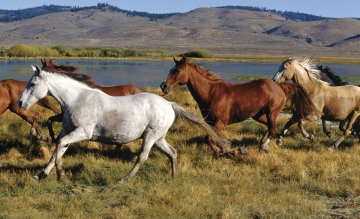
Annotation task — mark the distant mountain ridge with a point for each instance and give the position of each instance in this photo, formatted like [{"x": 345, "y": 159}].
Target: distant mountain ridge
[
  {"x": 224, "y": 31},
  {"x": 21, "y": 14}
]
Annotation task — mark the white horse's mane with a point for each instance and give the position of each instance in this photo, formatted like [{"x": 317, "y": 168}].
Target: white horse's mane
[{"x": 310, "y": 67}]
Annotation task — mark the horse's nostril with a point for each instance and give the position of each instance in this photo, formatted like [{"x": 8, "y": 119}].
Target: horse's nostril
[{"x": 163, "y": 86}]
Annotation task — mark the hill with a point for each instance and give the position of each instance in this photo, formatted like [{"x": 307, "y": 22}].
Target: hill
[{"x": 225, "y": 31}]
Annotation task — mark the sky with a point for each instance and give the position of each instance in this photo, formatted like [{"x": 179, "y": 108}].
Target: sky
[{"x": 325, "y": 8}]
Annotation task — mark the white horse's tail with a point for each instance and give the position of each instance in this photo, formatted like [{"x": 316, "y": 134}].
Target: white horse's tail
[{"x": 182, "y": 113}]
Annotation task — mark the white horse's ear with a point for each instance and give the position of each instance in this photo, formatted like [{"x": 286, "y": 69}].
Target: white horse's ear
[
  {"x": 33, "y": 68},
  {"x": 38, "y": 70}
]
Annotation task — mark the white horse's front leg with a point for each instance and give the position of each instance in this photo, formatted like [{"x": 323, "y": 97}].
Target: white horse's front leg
[{"x": 62, "y": 145}]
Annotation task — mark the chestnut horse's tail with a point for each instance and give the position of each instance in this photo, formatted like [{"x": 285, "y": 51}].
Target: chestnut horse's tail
[
  {"x": 46, "y": 103},
  {"x": 182, "y": 113},
  {"x": 298, "y": 100}
]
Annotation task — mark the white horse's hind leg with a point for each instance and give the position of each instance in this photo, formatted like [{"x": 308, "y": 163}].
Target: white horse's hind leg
[
  {"x": 143, "y": 156},
  {"x": 170, "y": 152}
]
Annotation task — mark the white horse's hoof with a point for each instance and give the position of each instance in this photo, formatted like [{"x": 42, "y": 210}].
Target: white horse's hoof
[
  {"x": 279, "y": 142},
  {"x": 35, "y": 179},
  {"x": 331, "y": 149}
]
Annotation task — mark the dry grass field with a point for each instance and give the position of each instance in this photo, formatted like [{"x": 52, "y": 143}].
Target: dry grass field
[{"x": 299, "y": 180}]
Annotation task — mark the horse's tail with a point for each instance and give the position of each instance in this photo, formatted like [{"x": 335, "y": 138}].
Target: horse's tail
[
  {"x": 181, "y": 113},
  {"x": 298, "y": 100},
  {"x": 46, "y": 103}
]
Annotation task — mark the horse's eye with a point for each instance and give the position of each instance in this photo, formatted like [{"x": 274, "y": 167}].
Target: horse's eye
[{"x": 32, "y": 85}]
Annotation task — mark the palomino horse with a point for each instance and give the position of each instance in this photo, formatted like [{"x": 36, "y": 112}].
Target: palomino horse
[
  {"x": 10, "y": 91},
  {"x": 334, "y": 103},
  {"x": 334, "y": 80},
  {"x": 90, "y": 114},
  {"x": 118, "y": 90},
  {"x": 222, "y": 103}
]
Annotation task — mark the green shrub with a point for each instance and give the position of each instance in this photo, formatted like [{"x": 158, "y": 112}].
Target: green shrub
[{"x": 199, "y": 53}]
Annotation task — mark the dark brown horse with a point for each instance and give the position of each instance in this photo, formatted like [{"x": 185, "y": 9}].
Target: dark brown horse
[
  {"x": 222, "y": 103},
  {"x": 10, "y": 91},
  {"x": 118, "y": 90}
]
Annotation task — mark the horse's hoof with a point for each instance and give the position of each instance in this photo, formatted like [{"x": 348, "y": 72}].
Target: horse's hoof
[
  {"x": 331, "y": 149},
  {"x": 39, "y": 177},
  {"x": 35, "y": 179},
  {"x": 33, "y": 132},
  {"x": 243, "y": 151},
  {"x": 60, "y": 174},
  {"x": 312, "y": 137},
  {"x": 265, "y": 148},
  {"x": 279, "y": 142}
]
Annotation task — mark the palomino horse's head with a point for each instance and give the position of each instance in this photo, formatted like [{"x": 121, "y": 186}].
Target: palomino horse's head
[
  {"x": 34, "y": 90},
  {"x": 285, "y": 71},
  {"x": 178, "y": 76}
]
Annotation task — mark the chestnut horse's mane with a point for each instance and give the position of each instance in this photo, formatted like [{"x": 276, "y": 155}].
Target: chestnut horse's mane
[
  {"x": 86, "y": 79},
  {"x": 201, "y": 70}
]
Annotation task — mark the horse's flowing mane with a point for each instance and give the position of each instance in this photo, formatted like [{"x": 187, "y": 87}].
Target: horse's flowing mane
[
  {"x": 312, "y": 70},
  {"x": 201, "y": 70},
  {"x": 335, "y": 78},
  {"x": 85, "y": 79}
]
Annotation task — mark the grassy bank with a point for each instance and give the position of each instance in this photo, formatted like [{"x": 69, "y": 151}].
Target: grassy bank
[
  {"x": 22, "y": 51},
  {"x": 299, "y": 180}
]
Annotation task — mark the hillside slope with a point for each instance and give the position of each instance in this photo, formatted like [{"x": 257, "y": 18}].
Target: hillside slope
[{"x": 222, "y": 31}]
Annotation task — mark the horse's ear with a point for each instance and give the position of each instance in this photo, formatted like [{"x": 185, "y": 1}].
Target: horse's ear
[
  {"x": 289, "y": 60},
  {"x": 176, "y": 61},
  {"x": 43, "y": 62},
  {"x": 37, "y": 70},
  {"x": 183, "y": 58}
]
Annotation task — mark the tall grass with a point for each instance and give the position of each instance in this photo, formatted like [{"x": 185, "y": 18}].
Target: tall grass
[{"x": 299, "y": 180}]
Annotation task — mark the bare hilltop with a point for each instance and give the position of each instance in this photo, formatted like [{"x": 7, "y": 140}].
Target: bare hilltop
[{"x": 223, "y": 31}]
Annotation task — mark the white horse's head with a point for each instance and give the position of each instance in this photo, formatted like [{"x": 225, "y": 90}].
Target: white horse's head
[{"x": 34, "y": 90}]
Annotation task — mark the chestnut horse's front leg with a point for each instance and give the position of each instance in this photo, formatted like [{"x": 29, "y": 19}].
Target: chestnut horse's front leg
[{"x": 51, "y": 119}]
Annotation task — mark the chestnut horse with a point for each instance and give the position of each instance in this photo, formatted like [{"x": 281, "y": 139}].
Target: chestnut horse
[
  {"x": 222, "y": 103},
  {"x": 118, "y": 90},
  {"x": 10, "y": 91}
]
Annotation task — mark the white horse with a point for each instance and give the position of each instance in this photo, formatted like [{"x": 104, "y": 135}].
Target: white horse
[
  {"x": 90, "y": 114},
  {"x": 337, "y": 103}
]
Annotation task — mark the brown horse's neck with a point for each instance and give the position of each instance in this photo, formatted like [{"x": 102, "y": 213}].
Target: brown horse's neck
[{"x": 199, "y": 86}]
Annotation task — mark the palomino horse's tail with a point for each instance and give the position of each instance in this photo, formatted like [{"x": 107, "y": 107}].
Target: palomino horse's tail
[
  {"x": 46, "y": 103},
  {"x": 298, "y": 100},
  {"x": 191, "y": 118}
]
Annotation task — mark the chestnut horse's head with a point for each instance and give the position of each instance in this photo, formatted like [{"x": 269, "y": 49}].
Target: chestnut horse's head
[
  {"x": 178, "y": 76},
  {"x": 54, "y": 67}
]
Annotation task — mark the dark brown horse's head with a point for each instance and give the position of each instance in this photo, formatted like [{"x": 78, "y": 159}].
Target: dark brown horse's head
[
  {"x": 54, "y": 67},
  {"x": 178, "y": 75}
]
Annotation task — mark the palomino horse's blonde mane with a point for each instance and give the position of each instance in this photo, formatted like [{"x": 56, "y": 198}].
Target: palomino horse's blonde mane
[{"x": 311, "y": 69}]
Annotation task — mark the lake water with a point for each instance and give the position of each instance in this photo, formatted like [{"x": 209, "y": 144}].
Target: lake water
[{"x": 152, "y": 73}]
